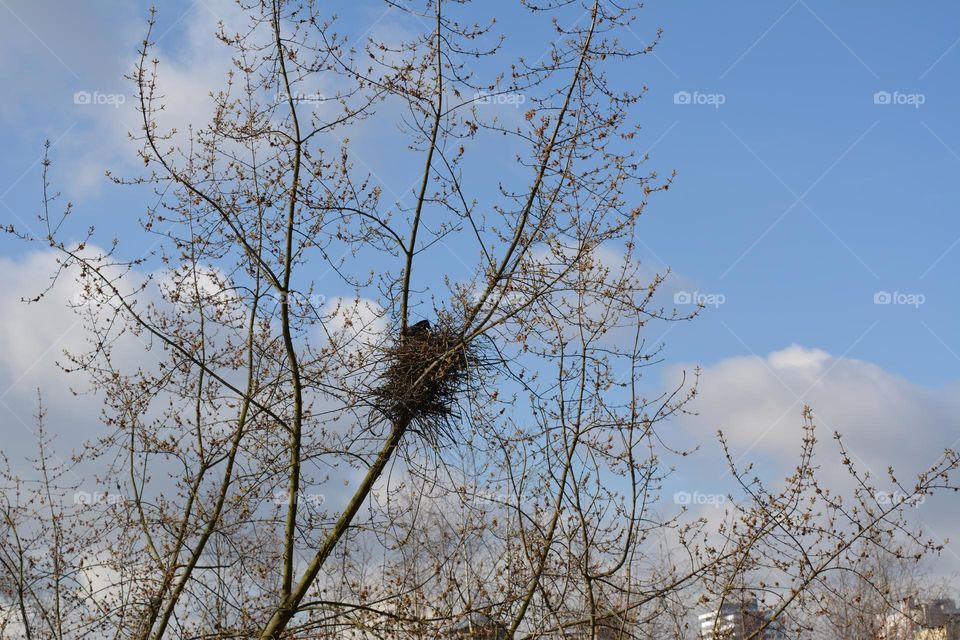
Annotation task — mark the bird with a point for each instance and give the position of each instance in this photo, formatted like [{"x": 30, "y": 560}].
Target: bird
[{"x": 417, "y": 329}]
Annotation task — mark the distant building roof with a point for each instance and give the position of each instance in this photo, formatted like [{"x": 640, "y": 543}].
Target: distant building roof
[{"x": 739, "y": 619}]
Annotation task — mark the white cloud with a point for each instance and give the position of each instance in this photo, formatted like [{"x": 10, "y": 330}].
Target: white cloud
[
  {"x": 87, "y": 51},
  {"x": 757, "y": 402},
  {"x": 33, "y": 340},
  {"x": 353, "y": 320},
  {"x": 30, "y": 332}
]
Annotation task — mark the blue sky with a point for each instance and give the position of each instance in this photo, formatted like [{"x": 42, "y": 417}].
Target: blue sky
[
  {"x": 877, "y": 199},
  {"x": 817, "y": 150},
  {"x": 798, "y": 198}
]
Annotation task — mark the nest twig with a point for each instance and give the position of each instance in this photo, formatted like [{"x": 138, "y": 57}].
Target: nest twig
[{"x": 426, "y": 372}]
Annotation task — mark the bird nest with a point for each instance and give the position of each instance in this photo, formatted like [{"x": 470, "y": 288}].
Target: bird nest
[{"x": 425, "y": 374}]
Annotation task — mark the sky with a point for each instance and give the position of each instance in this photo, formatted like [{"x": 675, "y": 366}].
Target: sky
[{"x": 814, "y": 211}]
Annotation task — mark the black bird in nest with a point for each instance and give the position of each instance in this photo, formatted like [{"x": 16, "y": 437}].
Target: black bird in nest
[
  {"x": 424, "y": 376},
  {"x": 417, "y": 330}
]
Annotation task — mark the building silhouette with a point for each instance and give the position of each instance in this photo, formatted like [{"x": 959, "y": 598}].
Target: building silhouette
[
  {"x": 937, "y": 619},
  {"x": 738, "y": 620}
]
